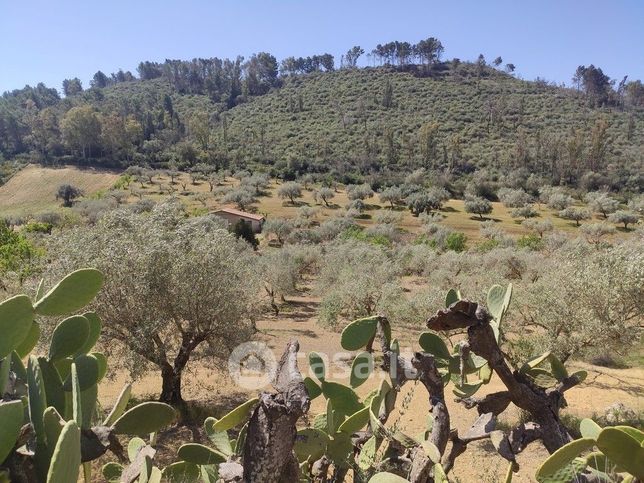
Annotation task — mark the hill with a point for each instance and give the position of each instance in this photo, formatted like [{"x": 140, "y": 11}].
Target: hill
[
  {"x": 461, "y": 121},
  {"x": 478, "y": 122}
]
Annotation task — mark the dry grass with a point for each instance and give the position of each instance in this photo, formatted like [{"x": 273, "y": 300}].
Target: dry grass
[{"x": 32, "y": 190}]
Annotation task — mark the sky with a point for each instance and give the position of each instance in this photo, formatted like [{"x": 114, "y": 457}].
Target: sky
[{"x": 48, "y": 41}]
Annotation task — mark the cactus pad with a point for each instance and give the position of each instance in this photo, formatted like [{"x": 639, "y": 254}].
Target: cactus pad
[
  {"x": 355, "y": 422},
  {"x": 72, "y": 293},
  {"x": 433, "y": 344},
  {"x": 218, "y": 438},
  {"x": 452, "y": 296},
  {"x": 310, "y": 443},
  {"x": 66, "y": 459},
  {"x": 200, "y": 454},
  {"x": 16, "y": 318},
  {"x": 68, "y": 337},
  {"x": 181, "y": 472},
  {"x": 358, "y": 333},
  {"x": 145, "y": 418},
  {"x": 562, "y": 458},
  {"x": 11, "y": 419},
  {"x": 361, "y": 369},
  {"x": 316, "y": 363},
  {"x": 95, "y": 326},
  {"x": 622, "y": 449},
  {"x": 28, "y": 343},
  {"x": 236, "y": 416},
  {"x": 385, "y": 477}
]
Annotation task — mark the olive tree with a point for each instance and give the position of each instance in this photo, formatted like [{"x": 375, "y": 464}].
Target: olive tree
[
  {"x": 575, "y": 214},
  {"x": 586, "y": 301},
  {"x": 514, "y": 198},
  {"x": 596, "y": 231},
  {"x": 241, "y": 197},
  {"x": 324, "y": 194},
  {"x": 68, "y": 193},
  {"x": 280, "y": 227},
  {"x": 477, "y": 205},
  {"x": 393, "y": 195},
  {"x": 427, "y": 201},
  {"x": 540, "y": 227},
  {"x": 602, "y": 203},
  {"x": 356, "y": 280},
  {"x": 290, "y": 190},
  {"x": 176, "y": 289},
  {"x": 525, "y": 211},
  {"x": 359, "y": 192},
  {"x": 280, "y": 275},
  {"x": 623, "y": 217}
]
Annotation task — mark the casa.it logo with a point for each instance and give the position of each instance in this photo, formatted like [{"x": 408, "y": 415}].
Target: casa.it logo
[{"x": 252, "y": 365}]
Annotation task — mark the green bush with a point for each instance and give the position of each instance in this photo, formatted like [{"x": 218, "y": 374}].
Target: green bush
[
  {"x": 456, "y": 241},
  {"x": 531, "y": 242}
]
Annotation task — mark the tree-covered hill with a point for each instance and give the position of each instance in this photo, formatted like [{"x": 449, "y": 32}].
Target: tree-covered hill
[
  {"x": 378, "y": 119},
  {"x": 457, "y": 120}
]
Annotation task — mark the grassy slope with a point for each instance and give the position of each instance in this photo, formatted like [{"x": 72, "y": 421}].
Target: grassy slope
[
  {"x": 459, "y": 105},
  {"x": 32, "y": 190}
]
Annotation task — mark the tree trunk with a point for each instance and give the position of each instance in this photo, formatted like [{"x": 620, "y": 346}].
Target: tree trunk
[
  {"x": 171, "y": 386},
  {"x": 171, "y": 374},
  {"x": 268, "y": 451}
]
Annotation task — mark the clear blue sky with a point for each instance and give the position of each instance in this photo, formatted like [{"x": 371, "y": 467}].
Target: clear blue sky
[{"x": 47, "y": 41}]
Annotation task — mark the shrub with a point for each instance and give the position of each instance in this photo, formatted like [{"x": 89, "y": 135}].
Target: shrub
[
  {"x": 388, "y": 217},
  {"x": 456, "y": 241},
  {"x": 532, "y": 242},
  {"x": 38, "y": 227},
  {"x": 18, "y": 256},
  {"x": 244, "y": 231}
]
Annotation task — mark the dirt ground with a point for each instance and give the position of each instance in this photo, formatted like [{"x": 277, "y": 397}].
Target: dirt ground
[{"x": 219, "y": 394}]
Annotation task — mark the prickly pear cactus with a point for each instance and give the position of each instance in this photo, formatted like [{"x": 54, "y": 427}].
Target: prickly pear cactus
[{"x": 61, "y": 389}]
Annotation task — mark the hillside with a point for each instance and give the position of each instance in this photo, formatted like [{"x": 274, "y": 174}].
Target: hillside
[
  {"x": 32, "y": 190},
  {"x": 351, "y": 124},
  {"x": 479, "y": 121}
]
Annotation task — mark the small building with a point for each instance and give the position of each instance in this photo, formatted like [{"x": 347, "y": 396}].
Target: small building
[{"x": 232, "y": 216}]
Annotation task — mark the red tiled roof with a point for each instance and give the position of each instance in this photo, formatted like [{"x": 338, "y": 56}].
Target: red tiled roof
[{"x": 243, "y": 214}]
